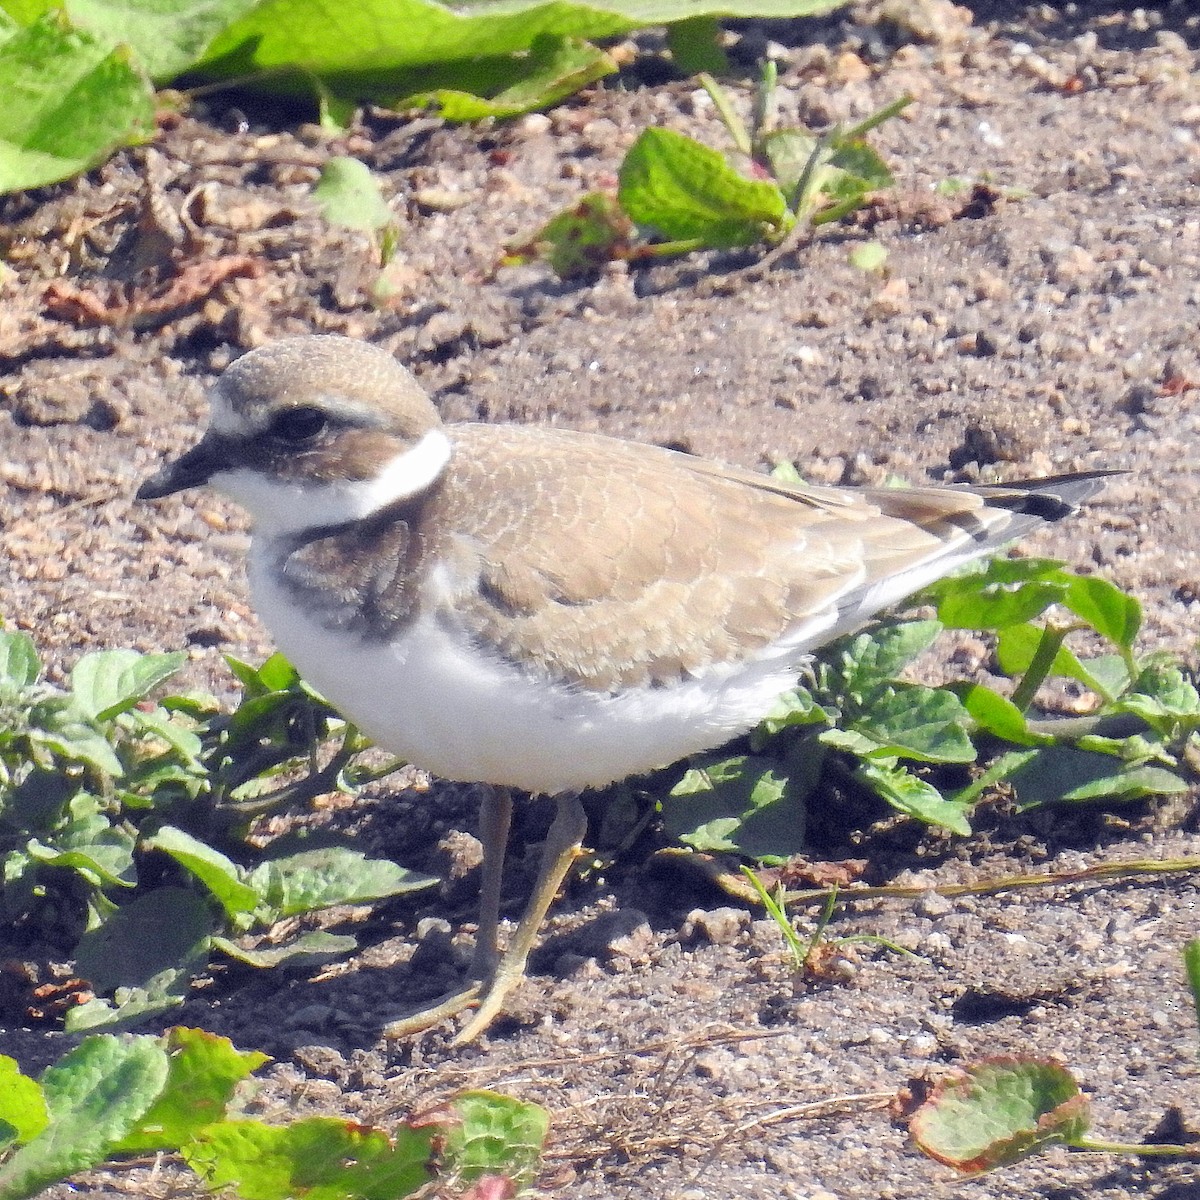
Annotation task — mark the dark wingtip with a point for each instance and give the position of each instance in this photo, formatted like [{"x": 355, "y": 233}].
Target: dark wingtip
[{"x": 1049, "y": 499}]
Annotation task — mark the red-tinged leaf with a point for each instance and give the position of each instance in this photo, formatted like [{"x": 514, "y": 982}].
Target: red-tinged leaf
[
  {"x": 491, "y": 1187},
  {"x": 203, "y": 1071},
  {"x": 999, "y": 1111}
]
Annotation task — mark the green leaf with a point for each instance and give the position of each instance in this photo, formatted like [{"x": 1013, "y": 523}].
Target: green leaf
[
  {"x": 695, "y": 46},
  {"x": 871, "y": 659},
  {"x": 998, "y": 715},
  {"x": 91, "y": 845},
  {"x": 999, "y": 1112},
  {"x": 742, "y": 804},
  {"x": 686, "y": 191},
  {"x": 796, "y": 708},
  {"x": 221, "y": 875},
  {"x": 59, "y": 726},
  {"x": 579, "y": 240},
  {"x": 1064, "y": 773},
  {"x": 158, "y": 931},
  {"x": 94, "y": 1096},
  {"x": 275, "y": 675},
  {"x": 869, "y": 256},
  {"x": 348, "y": 195},
  {"x": 313, "y": 948},
  {"x": 495, "y": 1135},
  {"x": 921, "y": 723},
  {"x": 386, "y": 40},
  {"x": 157, "y": 723},
  {"x": 22, "y": 1106},
  {"x": 1107, "y": 609},
  {"x": 319, "y": 1158},
  {"x": 203, "y": 1072},
  {"x": 168, "y": 36},
  {"x": 71, "y": 99},
  {"x": 109, "y": 682},
  {"x": 1191, "y": 965},
  {"x": 914, "y": 797},
  {"x": 554, "y": 69},
  {"x": 19, "y": 665},
  {"x": 312, "y": 879},
  {"x": 130, "y": 1006}
]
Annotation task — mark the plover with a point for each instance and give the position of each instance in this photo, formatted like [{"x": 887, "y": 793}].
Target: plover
[{"x": 541, "y": 610}]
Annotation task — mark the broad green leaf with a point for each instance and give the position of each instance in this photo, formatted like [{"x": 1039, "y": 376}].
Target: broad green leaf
[
  {"x": 38, "y": 802},
  {"x": 990, "y": 574},
  {"x": 309, "y": 949},
  {"x": 998, "y": 715},
  {"x": 348, "y": 195},
  {"x": 999, "y": 605},
  {"x": 203, "y": 1072},
  {"x": 1166, "y": 683},
  {"x": 741, "y": 804},
  {"x": 186, "y": 744},
  {"x": 386, "y": 38},
  {"x": 155, "y": 932},
  {"x": 914, "y": 797},
  {"x": 132, "y": 1006},
  {"x": 861, "y": 165},
  {"x": 792, "y": 709},
  {"x": 921, "y": 723},
  {"x": 94, "y": 1096},
  {"x": 1064, "y": 773},
  {"x": 495, "y": 1135},
  {"x": 315, "y": 879},
  {"x": 871, "y": 659},
  {"x": 71, "y": 99},
  {"x": 91, "y": 845},
  {"x": 110, "y": 681},
  {"x": 221, "y": 875},
  {"x": 22, "y": 1106},
  {"x": 318, "y": 1158},
  {"x": 999, "y": 1112},
  {"x": 57, "y": 725},
  {"x": 554, "y": 69},
  {"x": 275, "y": 675},
  {"x": 695, "y": 47},
  {"x": 1107, "y": 609},
  {"x": 168, "y": 36},
  {"x": 684, "y": 190},
  {"x": 19, "y": 665},
  {"x": 788, "y": 154}
]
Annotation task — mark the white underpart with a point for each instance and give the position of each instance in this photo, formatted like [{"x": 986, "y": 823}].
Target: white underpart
[
  {"x": 434, "y": 698},
  {"x": 283, "y": 507}
]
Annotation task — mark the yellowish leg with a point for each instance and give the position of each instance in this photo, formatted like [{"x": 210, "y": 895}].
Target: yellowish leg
[
  {"x": 564, "y": 843},
  {"x": 495, "y": 817}
]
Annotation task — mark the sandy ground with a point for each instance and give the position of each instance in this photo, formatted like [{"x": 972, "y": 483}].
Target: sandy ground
[{"x": 1046, "y": 322}]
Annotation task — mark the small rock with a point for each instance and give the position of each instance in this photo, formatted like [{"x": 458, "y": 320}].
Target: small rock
[{"x": 717, "y": 926}]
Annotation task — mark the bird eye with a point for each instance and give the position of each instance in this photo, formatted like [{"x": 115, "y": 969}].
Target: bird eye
[{"x": 296, "y": 426}]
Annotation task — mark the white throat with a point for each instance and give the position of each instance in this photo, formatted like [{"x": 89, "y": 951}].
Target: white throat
[{"x": 281, "y": 507}]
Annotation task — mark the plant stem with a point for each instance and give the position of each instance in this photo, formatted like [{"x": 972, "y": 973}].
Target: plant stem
[
  {"x": 884, "y": 114},
  {"x": 1050, "y": 644},
  {"x": 1141, "y": 1149},
  {"x": 720, "y": 99},
  {"x": 1166, "y": 866}
]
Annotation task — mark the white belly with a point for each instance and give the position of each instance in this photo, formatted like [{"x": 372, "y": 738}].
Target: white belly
[{"x": 432, "y": 699}]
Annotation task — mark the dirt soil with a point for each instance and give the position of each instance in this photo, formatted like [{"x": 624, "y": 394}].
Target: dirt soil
[{"x": 1045, "y": 320}]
